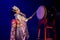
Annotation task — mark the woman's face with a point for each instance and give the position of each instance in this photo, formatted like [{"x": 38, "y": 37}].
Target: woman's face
[{"x": 16, "y": 9}]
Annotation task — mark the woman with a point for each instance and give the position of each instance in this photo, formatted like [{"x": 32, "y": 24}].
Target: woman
[{"x": 20, "y": 26}]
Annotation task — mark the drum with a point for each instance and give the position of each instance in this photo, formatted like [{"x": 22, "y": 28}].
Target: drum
[{"x": 41, "y": 12}]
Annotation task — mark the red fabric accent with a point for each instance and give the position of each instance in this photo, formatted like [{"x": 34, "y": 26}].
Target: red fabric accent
[
  {"x": 13, "y": 21},
  {"x": 44, "y": 21}
]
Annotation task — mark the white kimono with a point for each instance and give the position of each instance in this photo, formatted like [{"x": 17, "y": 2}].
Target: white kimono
[{"x": 22, "y": 30}]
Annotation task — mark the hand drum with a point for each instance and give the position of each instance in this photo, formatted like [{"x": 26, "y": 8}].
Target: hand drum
[{"x": 40, "y": 12}]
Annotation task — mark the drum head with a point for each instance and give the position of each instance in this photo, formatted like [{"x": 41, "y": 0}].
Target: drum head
[{"x": 41, "y": 12}]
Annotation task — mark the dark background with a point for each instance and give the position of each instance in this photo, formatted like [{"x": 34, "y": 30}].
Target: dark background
[{"x": 28, "y": 7}]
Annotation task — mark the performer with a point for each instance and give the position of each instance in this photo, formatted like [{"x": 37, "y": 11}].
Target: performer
[{"x": 20, "y": 25}]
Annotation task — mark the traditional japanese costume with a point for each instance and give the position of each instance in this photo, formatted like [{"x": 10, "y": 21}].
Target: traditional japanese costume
[{"x": 19, "y": 30}]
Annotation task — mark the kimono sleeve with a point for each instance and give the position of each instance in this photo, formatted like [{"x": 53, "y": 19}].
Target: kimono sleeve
[{"x": 25, "y": 19}]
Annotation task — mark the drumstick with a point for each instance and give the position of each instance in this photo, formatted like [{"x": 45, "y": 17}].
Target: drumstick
[{"x": 33, "y": 14}]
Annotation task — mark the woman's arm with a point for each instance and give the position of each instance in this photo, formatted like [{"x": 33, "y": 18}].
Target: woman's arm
[{"x": 28, "y": 19}]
